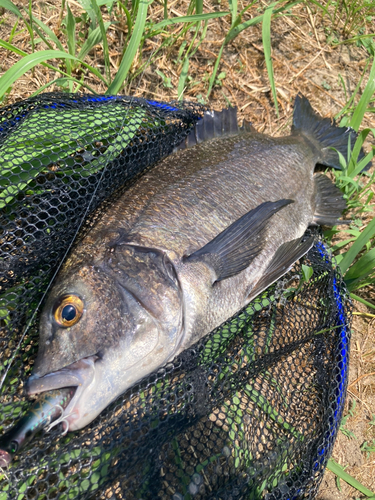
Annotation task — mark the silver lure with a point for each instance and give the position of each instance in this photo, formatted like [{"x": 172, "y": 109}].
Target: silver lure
[{"x": 44, "y": 413}]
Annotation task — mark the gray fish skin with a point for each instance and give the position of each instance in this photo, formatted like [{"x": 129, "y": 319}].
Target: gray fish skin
[{"x": 144, "y": 299}]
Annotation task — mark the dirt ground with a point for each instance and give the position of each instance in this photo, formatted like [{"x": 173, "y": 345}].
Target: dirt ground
[{"x": 306, "y": 60}]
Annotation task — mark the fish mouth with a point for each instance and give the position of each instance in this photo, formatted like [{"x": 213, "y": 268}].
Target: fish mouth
[{"x": 80, "y": 375}]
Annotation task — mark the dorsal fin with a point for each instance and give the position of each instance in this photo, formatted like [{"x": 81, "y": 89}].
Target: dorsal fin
[{"x": 214, "y": 124}]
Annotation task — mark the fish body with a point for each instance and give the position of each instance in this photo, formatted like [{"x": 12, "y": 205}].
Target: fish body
[{"x": 186, "y": 247}]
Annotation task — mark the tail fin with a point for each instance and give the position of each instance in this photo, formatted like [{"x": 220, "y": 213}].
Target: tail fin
[{"x": 324, "y": 132}]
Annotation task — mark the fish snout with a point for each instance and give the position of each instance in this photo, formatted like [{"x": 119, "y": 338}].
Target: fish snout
[{"x": 78, "y": 374}]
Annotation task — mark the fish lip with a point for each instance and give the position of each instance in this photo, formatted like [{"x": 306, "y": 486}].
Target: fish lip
[
  {"x": 69, "y": 376},
  {"x": 79, "y": 374},
  {"x": 51, "y": 381}
]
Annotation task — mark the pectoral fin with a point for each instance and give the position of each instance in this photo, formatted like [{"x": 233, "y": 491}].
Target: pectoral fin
[
  {"x": 282, "y": 261},
  {"x": 329, "y": 202},
  {"x": 234, "y": 249}
]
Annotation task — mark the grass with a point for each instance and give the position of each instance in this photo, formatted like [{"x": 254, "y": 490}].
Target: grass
[
  {"x": 68, "y": 54},
  {"x": 77, "y": 52},
  {"x": 346, "y": 16}
]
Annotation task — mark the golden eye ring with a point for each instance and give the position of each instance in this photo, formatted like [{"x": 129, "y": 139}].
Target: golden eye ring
[{"x": 68, "y": 310}]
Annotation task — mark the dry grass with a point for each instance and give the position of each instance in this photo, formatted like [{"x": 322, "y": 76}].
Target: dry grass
[{"x": 304, "y": 61}]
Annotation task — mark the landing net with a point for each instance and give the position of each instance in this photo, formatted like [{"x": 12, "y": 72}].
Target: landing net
[{"x": 251, "y": 411}]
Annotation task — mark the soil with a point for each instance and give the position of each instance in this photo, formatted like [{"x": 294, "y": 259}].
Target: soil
[{"x": 311, "y": 54}]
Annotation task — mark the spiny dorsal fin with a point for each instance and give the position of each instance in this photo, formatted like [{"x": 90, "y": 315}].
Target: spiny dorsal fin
[
  {"x": 329, "y": 202},
  {"x": 214, "y": 124},
  {"x": 234, "y": 249}
]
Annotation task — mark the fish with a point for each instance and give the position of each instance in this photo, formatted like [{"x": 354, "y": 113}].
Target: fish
[
  {"x": 191, "y": 243},
  {"x": 46, "y": 412}
]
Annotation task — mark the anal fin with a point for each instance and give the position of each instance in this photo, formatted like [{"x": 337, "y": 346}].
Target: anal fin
[
  {"x": 329, "y": 202},
  {"x": 281, "y": 262},
  {"x": 233, "y": 249}
]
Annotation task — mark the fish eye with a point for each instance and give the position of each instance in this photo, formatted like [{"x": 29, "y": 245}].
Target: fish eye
[{"x": 68, "y": 310}]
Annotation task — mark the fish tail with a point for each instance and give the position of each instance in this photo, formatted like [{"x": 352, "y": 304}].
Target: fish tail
[{"x": 324, "y": 133}]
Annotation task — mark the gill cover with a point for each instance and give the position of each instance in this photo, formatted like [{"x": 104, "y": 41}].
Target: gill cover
[
  {"x": 130, "y": 299},
  {"x": 147, "y": 278}
]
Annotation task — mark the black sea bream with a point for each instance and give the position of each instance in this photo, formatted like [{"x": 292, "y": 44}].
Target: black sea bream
[{"x": 187, "y": 246}]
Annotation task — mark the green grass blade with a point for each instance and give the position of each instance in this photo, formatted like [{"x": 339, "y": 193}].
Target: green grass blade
[
  {"x": 13, "y": 31},
  {"x": 217, "y": 62},
  {"x": 51, "y": 35},
  {"x": 29, "y": 26},
  {"x": 12, "y": 48},
  {"x": 71, "y": 35},
  {"x": 230, "y": 35},
  {"x": 271, "y": 412},
  {"x": 31, "y": 60},
  {"x": 345, "y": 110},
  {"x": 181, "y": 81},
  {"x": 339, "y": 471},
  {"x": 362, "y": 267},
  {"x": 357, "y": 246},
  {"x": 189, "y": 53},
  {"x": 356, "y": 150},
  {"x": 235, "y": 30},
  {"x": 364, "y": 101},
  {"x": 361, "y": 165},
  {"x": 256, "y": 20},
  {"x": 239, "y": 17},
  {"x": 188, "y": 19},
  {"x": 324, "y": 9},
  {"x": 8, "y": 5},
  {"x": 71, "y": 31},
  {"x": 199, "y": 6},
  {"x": 238, "y": 26},
  {"x": 93, "y": 39},
  {"x": 128, "y": 17},
  {"x": 266, "y": 38},
  {"x": 362, "y": 301},
  {"x": 60, "y": 80},
  {"x": 26, "y": 63},
  {"x": 131, "y": 48},
  {"x": 87, "y": 6},
  {"x": 93, "y": 70},
  {"x": 341, "y": 244},
  {"x": 355, "y": 168},
  {"x": 104, "y": 39},
  {"x": 354, "y": 39},
  {"x": 233, "y": 10},
  {"x": 361, "y": 282}
]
